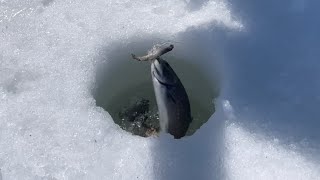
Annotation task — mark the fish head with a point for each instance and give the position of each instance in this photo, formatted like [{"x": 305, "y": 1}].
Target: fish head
[{"x": 162, "y": 72}]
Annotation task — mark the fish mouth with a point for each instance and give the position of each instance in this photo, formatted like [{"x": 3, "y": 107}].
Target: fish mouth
[
  {"x": 160, "y": 81},
  {"x": 162, "y": 71}
]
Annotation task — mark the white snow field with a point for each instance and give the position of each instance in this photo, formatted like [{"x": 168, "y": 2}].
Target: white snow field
[{"x": 265, "y": 124}]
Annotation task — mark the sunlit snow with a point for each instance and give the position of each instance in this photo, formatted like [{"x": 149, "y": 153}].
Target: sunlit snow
[{"x": 51, "y": 128}]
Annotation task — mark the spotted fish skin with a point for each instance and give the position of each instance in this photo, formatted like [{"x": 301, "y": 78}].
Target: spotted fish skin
[{"x": 172, "y": 99}]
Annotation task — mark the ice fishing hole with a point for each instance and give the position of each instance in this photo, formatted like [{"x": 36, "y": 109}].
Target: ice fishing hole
[{"x": 124, "y": 88}]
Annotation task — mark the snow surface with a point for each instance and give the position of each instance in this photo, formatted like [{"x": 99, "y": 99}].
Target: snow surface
[{"x": 50, "y": 127}]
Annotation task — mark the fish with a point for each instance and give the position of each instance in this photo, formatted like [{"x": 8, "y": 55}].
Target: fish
[{"x": 171, "y": 97}]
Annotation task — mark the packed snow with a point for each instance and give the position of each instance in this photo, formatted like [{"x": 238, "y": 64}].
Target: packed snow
[{"x": 51, "y": 128}]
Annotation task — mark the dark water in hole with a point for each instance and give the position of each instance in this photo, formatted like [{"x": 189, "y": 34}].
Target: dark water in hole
[{"x": 126, "y": 98}]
